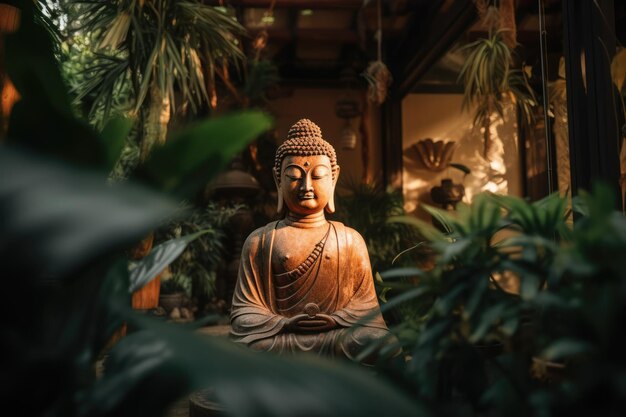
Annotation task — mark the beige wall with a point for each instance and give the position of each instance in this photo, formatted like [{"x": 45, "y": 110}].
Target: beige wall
[
  {"x": 439, "y": 116},
  {"x": 318, "y": 105}
]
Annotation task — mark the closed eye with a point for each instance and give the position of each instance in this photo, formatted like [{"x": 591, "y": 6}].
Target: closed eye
[{"x": 319, "y": 172}]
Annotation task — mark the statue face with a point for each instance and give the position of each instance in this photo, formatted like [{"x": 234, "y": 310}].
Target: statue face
[{"x": 306, "y": 183}]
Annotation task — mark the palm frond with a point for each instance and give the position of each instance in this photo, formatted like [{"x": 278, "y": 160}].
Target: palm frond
[{"x": 169, "y": 44}]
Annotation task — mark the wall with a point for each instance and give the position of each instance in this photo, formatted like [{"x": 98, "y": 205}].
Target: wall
[
  {"x": 439, "y": 116},
  {"x": 318, "y": 105}
]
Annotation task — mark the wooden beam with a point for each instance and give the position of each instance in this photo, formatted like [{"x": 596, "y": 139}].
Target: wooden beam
[
  {"x": 391, "y": 136},
  {"x": 298, "y": 4},
  {"x": 415, "y": 57},
  {"x": 314, "y": 35}
]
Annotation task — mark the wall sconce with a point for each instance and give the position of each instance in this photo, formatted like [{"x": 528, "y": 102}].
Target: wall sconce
[{"x": 434, "y": 155}]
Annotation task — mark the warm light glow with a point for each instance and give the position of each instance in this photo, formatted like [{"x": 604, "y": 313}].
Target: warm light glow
[
  {"x": 497, "y": 166},
  {"x": 491, "y": 187},
  {"x": 268, "y": 19},
  {"x": 413, "y": 187},
  {"x": 306, "y": 12}
]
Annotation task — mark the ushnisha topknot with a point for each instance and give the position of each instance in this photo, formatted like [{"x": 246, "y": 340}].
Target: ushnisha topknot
[{"x": 305, "y": 139}]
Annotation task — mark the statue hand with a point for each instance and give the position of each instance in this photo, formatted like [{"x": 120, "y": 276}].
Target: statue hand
[{"x": 303, "y": 323}]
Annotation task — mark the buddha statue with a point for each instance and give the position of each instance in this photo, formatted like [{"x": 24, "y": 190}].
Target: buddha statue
[{"x": 305, "y": 283}]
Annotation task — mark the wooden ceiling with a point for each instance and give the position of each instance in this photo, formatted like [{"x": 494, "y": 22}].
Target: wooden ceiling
[{"x": 316, "y": 42}]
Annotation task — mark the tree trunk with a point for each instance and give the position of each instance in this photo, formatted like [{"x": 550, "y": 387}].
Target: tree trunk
[
  {"x": 155, "y": 120},
  {"x": 487, "y": 136},
  {"x": 507, "y": 22}
]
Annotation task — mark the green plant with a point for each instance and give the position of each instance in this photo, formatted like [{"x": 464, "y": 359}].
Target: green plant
[
  {"x": 367, "y": 209},
  {"x": 472, "y": 348},
  {"x": 199, "y": 260},
  {"x": 165, "y": 50},
  {"x": 489, "y": 79},
  {"x": 384, "y": 240},
  {"x": 64, "y": 231},
  {"x": 175, "y": 284}
]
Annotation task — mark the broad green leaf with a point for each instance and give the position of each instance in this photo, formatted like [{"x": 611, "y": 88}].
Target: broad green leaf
[
  {"x": 476, "y": 296},
  {"x": 405, "y": 297},
  {"x": 510, "y": 325},
  {"x": 549, "y": 300},
  {"x": 402, "y": 273},
  {"x": 155, "y": 366},
  {"x": 42, "y": 120},
  {"x": 426, "y": 229},
  {"x": 158, "y": 258},
  {"x": 580, "y": 206},
  {"x": 566, "y": 348},
  {"x": 444, "y": 218},
  {"x": 528, "y": 241},
  {"x": 113, "y": 137},
  {"x": 56, "y": 219},
  {"x": 449, "y": 300},
  {"x": 455, "y": 249},
  {"x": 487, "y": 320},
  {"x": 199, "y": 152},
  {"x": 529, "y": 286},
  {"x": 61, "y": 330},
  {"x": 434, "y": 331}
]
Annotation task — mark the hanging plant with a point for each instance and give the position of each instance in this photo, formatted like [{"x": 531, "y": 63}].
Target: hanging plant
[
  {"x": 489, "y": 80},
  {"x": 379, "y": 79},
  {"x": 377, "y": 74}
]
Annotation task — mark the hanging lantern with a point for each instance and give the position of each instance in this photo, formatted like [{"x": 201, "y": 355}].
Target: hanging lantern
[
  {"x": 347, "y": 108},
  {"x": 348, "y": 136}
]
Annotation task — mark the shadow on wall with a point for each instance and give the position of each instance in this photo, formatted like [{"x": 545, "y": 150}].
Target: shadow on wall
[{"x": 439, "y": 116}]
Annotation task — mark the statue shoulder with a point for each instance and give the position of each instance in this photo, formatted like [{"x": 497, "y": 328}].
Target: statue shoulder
[
  {"x": 254, "y": 239},
  {"x": 352, "y": 236}
]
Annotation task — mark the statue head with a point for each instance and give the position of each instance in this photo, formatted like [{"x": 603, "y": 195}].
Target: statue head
[{"x": 306, "y": 170}]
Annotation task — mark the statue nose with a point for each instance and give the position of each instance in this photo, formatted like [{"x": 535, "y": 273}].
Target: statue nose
[{"x": 307, "y": 183}]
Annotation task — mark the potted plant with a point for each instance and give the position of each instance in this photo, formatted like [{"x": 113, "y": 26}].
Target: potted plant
[{"x": 174, "y": 292}]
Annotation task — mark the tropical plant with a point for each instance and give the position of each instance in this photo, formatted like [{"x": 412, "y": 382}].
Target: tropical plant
[
  {"x": 489, "y": 75},
  {"x": 489, "y": 79},
  {"x": 387, "y": 243},
  {"x": 176, "y": 283},
  {"x": 64, "y": 232},
  {"x": 475, "y": 343},
  {"x": 200, "y": 259},
  {"x": 165, "y": 50},
  {"x": 384, "y": 240}
]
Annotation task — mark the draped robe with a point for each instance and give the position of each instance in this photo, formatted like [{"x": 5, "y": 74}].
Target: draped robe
[{"x": 339, "y": 281}]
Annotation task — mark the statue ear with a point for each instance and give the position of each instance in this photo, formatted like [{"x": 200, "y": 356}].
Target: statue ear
[
  {"x": 330, "y": 207},
  {"x": 279, "y": 207}
]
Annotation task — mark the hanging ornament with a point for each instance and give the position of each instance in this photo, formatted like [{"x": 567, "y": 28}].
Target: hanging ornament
[
  {"x": 348, "y": 136},
  {"x": 377, "y": 74}
]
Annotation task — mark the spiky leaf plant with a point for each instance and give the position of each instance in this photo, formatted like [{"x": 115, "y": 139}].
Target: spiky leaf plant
[
  {"x": 165, "y": 49},
  {"x": 489, "y": 79}
]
